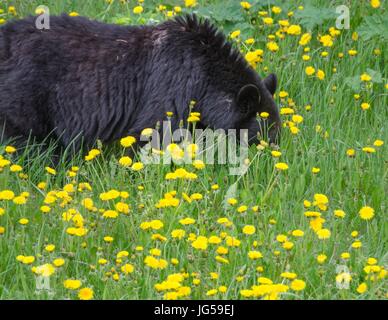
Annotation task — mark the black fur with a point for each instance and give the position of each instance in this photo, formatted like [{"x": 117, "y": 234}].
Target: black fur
[{"x": 100, "y": 81}]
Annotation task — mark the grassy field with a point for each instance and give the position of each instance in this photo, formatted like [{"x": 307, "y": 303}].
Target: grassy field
[{"x": 317, "y": 230}]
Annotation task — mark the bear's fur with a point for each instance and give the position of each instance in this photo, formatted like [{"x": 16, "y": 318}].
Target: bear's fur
[{"x": 101, "y": 81}]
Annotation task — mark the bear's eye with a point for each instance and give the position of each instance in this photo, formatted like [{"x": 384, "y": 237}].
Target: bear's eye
[{"x": 245, "y": 109}]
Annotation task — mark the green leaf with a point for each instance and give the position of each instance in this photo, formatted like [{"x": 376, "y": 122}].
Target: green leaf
[
  {"x": 229, "y": 10},
  {"x": 122, "y": 20},
  {"x": 374, "y": 26},
  {"x": 263, "y": 5},
  {"x": 311, "y": 16},
  {"x": 353, "y": 82},
  {"x": 247, "y": 30},
  {"x": 376, "y": 75},
  {"x": 204, "y": 12}
]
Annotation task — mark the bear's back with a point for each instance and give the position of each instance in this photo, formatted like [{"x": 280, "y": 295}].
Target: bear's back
[{"x": 68, "y": 36}]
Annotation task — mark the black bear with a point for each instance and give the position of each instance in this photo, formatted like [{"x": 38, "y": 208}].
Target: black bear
[{"x": 101, "y": 81}]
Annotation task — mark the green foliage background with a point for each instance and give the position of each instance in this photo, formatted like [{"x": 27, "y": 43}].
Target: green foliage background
[{"x": 349, "y": 183}]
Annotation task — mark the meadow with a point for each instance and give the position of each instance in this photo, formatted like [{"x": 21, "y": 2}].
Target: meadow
[{"x": 307, "y": 220}]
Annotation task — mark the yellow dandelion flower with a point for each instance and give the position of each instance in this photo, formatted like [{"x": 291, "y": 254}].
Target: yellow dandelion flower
[
  {"x": 249, "y": 230},
  {"x": 378, "y": 143},
  {"x": 321, "y": 258},
  {"x": 365, "y": 77},
  {"x": 366, "y": 213},
  {"x": 138, "y": 10},
  {"x": 59, "y": 262},
  {"x": 281, "y": 166},
  {"x": 85, "y": 294},
  {"x": 362, "y": 288},
  {"x": 298, "y": 285},
  {"x": 375, "y": 3},
  {"x": 72, "y": 284},
  {"x": 127, "y": 141},
  {"x": 235, "y": 34},
  {"x": 125, "y": 161},
  {"x": 190, "y": 3},
  {"x": 323, "y": 234},
  {"x": 310, "y": 70}
]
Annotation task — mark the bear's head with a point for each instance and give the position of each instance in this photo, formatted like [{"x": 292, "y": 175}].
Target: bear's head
[
  {"x": 229, "y": 92},
  {"x": 249, "y": 106}
]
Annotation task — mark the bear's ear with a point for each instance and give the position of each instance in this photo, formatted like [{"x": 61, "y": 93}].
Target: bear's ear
[
  {"x": 271, "y": 83},
  {"x": 248, "y": 98}
]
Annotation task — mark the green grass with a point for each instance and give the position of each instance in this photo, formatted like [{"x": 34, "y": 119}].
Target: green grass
[{"x": 349, "y": 183}]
